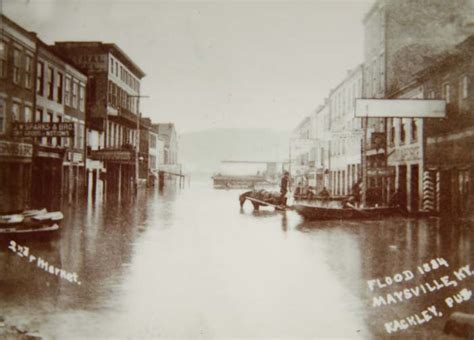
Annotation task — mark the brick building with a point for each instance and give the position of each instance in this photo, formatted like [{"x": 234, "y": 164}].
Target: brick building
[
  {"x": 112, "y": 106},
  {"x": 449, "y": 160},
  {"x": 58, "y": 163},
  {"x": 17, "y": 100},
  {"x": 401, "y": 38}
]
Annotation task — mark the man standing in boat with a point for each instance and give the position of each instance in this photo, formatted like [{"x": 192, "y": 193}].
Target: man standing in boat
[{"x": 284, "y": 185}]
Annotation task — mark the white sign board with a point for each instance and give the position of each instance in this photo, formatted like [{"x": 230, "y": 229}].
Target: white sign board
[{"x": 400, "y": 108}]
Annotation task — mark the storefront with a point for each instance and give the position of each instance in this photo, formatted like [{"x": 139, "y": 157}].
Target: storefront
[
  {"x": 47, "y": 177},
  {"x": 15, "y": 176},
  {"x": 119, "y": 171}
]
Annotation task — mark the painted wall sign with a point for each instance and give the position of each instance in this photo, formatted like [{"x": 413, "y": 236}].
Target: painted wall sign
[
  {"x": 400, "y": 108},
  {"x": 13, "y": 149},
  {"x": 65, "y": 129},
  {"x": 112, "y": 155}
]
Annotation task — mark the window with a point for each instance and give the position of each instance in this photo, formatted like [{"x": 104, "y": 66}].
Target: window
[
  {"x": 16, "y": 66},
  {"x": 392, "y": 132},
  {"x": 2, "y": 116},
  {"x": 28, "y": 71},
  {"x": 67, "y": 92},
  {"x": 59, "y": 88},
  {"x": 112, "y": 65},
  {"x": 81, "y": 98},
  {"x": 16, "y": 112},
  {"x": 40, "y": 78},
  {"x": 402, "y": 132},
  {"x": 74, "y": 94},
  {"x": 28, "y": 114},
  {"x": 38, "y": 115},
  {"x": 3, "y": 61},
  {"x": 50, "y": 83},
  {"x": 464, "y": 87},
  {"x": 447, "y": 93},
  {"x": 414, "y": 131}
]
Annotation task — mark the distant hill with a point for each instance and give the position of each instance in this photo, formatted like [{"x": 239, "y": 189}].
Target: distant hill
[{"x": 201, "y": 152}]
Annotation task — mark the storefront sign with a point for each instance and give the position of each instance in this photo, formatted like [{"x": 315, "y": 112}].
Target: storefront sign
[
  {"x": 381, "y": 172},
  {"x": 12, "y": 149},
  {"x": 43, "y": 129},
  {"x": 401, "y": 108},
  {"x": 112, "y": 155}
]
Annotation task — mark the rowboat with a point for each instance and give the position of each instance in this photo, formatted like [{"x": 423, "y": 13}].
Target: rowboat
[
  {"x": 31, "y": 222},
  {"x": 313, "y": 212}
]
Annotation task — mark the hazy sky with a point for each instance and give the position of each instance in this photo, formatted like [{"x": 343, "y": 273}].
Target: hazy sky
[{"x": 221, "y": 63}]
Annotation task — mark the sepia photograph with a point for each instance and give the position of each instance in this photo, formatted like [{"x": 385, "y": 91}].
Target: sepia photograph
[{"x": 236, "y": 169}]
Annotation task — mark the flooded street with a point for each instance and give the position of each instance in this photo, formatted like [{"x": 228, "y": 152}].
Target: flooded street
[{"x": 190, "y": 263}]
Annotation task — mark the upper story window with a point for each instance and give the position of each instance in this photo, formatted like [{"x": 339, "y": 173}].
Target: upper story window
[
  {"x": 74, "y": 94},
  {"x": 67, "y": 91},
  {"x": 59, "y": 88},
  {"x": 28, "y": 71},
  {"x": 447, "y": 93},
  {"x": 111, "y": 65},
  {"x": 414, "y": 131},
  {"x": 402, "y": 132},
  {"x": 28, "y": 114},
  {"x": 50, "y": 83},
  {"x": 16, "y": 66},
  {"x": 82, "y": 91},
  {"x": 16, "y": 112},
  {"x": 3, "y": 62},
  {"x": 392, "y": 131},
  {"x": 40, "y": 78},
  {"x": 39, "y": 115}
]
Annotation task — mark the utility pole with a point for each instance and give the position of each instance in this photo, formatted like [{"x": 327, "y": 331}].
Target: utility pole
[{"x": 137, "y": 141}]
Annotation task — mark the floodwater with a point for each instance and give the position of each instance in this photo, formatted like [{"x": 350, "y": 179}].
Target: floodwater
[{"x": 189, "y": 263}]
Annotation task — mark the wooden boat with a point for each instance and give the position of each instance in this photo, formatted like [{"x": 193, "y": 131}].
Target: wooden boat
[
  {"x": 313, "y": 212},
  {"x": 31, "y": 222}
]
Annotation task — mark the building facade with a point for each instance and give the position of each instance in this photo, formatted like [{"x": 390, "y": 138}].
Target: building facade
[
  {"x": 113, "y": 107},
  {"x": 448, "y": 142},
  {"x": 401, "y": 38},
  {"x": 346, "y": 133},
  {"x": 17, "y": 101},
  {"x": 58, "y": 164}
]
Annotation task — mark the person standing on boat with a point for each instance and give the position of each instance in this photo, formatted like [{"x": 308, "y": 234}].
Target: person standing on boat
[
  {"x": 284, "y": 185},
  {"x": 355, "y": 191}
]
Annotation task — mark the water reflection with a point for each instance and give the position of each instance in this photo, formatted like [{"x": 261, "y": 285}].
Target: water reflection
[{"x": 191, "y": 263}]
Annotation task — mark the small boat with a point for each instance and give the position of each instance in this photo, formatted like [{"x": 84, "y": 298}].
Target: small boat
[
  {"x": 31, "y": 222},
  {"x": 313, "y": 212}
]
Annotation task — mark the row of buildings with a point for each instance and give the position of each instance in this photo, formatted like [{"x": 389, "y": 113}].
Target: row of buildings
[
  {"x": 412, "y": 50},
  {"x": 91, "y": 91}
]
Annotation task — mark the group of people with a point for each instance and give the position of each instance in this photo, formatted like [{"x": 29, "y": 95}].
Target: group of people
[{"x": 354, "y": 197}]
